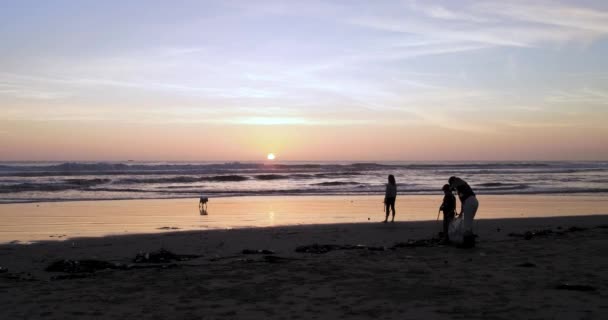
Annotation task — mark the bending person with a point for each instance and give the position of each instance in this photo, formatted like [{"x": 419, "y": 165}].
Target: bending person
[{"x": 469, "y": 205}]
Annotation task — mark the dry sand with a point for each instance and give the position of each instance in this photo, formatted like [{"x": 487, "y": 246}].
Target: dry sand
[{"x": 504, "y": 277}]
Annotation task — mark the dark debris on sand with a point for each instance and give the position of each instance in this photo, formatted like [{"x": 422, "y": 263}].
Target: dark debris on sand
[
  {"x": 528, "y": 235},
  {"x": 78, "y": 269},
  {"x": 80, "y": 266},
  {"x": 162, "y": 256},
  {"x": 168, "y": 228},
  {"x": 527, "y": 265},
  {"x": 258, "y": 251},
  {"x": 20, "y": 276},
  {"x": 324, "y": 248},
  {"x": 433, "y": 242},
  {"x": 71, "y": 276},
  {"x": 276, "y": 259},
  {"x": 268, "y": 259},
  {"x": 574, "y": 287}
]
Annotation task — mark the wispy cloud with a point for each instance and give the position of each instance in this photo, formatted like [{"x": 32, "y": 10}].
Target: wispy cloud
[
  {"x": 494, "y": 23},
  {"x": 266, "y": 121},
  {"x": 579, "y": 97},
  {"x": 441, "y": 12},
  {"x": 549, "y": 13}
]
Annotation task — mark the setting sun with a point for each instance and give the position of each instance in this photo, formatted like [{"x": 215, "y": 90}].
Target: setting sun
[{"x": 270, "y": 156}]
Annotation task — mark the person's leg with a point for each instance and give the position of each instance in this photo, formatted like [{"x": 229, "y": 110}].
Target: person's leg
[
  {"x": 451, "y": 218},
  {"x": 387, "y": 208},
  {"x": 393, "y": 208},
  {"x": 469, "y": 211}
]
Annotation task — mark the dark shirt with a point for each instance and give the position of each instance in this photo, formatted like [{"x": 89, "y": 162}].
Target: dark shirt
[
  {"x": 463, "y": 189},
  {"x": 449, "y": 204}
]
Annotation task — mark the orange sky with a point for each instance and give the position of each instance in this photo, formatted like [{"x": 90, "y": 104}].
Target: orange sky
[{"x": 196, "y": 142}]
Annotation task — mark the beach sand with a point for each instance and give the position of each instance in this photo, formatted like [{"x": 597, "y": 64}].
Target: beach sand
[{"x": 504, "y": 277}]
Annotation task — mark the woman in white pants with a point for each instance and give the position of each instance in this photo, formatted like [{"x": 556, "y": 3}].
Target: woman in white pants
[{"x": 469, "y": 206}]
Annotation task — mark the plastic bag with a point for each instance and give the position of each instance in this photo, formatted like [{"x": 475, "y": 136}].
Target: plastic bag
[{"x": 456, "y": 231}]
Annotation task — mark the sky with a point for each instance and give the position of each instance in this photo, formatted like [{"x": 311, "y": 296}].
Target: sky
[{"x": 306, "y": 80}]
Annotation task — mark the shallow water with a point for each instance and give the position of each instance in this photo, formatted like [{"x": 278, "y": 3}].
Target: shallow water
[{"x": 28, "y": 222}]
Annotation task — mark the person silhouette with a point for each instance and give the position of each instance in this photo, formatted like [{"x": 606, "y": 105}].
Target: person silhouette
[
  {"x": 389, "y": 197},
  {"x": 469, "y": 206},
  {"x": 448, "y": 207}
]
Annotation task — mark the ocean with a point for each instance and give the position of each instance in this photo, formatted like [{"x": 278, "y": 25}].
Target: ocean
[{"x": 73, "y": 181}]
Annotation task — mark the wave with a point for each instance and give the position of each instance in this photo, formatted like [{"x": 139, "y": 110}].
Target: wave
[
  {"x": 500, "y": 186},
  {"x": 271, "y": 177},
  {"x": 86, "y": 182},
  {"x": 524, "y": 171},
  {"x": 505, "y": 188},
  {"x": 227, "y": 178},
  {"x": 68, "y": 184},
  {"x": 491, "y": 184},
  {"x": 179, "y": 179},
  {"x": 336, "y": 183},
  {"x": 182, "y": 179}
]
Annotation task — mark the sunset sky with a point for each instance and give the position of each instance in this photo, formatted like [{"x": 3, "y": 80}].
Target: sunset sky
[{"x": 307, "y": 80}]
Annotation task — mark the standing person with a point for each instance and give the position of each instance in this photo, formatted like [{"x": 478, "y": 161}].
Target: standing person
[
  {"x": 469, "y": 205},
  {"x": 390, "y": 196},
  {"x": 448, "y": 207}
]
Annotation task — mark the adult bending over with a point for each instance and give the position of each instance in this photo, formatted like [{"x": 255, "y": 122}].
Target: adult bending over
[{"x": 469, "y": 205}]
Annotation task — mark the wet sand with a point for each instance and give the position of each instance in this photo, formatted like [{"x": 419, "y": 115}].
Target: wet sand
[
  {"x": 504, "y": 277},
  {"x": 61, "y": 220}
]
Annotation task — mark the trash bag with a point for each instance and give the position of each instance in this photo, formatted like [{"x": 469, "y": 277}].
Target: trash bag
[{"x": 456, "y": 231}]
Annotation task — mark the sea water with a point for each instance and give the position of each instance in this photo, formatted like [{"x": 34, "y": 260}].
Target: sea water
[{"x": 69, "y": 181}]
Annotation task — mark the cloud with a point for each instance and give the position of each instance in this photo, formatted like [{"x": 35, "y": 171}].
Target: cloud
[
  {"x": 549, "y": 13},
  {"x": 579, "y": 97},
  {"x": 493, "y": 23},
  {"x": 440, "y": 12},
  {"x": 33, "y": 93},
  {"x": 270, "y": 121}
]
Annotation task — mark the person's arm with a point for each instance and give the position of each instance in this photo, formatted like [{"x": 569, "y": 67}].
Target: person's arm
[{"x": 452, "y": 205}]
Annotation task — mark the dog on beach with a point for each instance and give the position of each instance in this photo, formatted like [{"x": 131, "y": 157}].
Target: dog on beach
[{"x": 202, "y": 204}]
